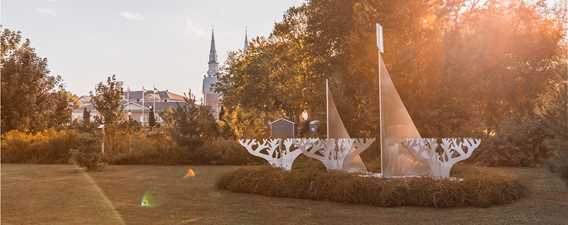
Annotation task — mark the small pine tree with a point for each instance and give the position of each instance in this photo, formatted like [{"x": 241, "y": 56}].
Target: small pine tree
[
  {"x": 86, "y": 117},
  {"x": 151, "y": 118}
]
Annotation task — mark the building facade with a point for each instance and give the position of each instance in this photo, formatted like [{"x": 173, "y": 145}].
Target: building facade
[{"x": 137, "y": 105}]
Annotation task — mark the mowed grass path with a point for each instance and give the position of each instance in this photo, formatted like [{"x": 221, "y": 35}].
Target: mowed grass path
[{"x": 61, "y": 194}]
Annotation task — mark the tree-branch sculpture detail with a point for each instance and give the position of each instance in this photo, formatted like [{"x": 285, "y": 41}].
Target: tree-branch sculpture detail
[
  {"x": 278, "y": 153},
  {"x": 359, "y": 146},
  {"x": 441, "y": 162},
  {"x": 333, "y": 153}
]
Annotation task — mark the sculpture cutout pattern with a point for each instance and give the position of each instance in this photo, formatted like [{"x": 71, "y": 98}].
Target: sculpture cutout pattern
[
  {"x": 441, "y": 162},
  {"x": 331, "y": 152},
  {"x": 279, "y": 153},
  {"x": 334, "y": 153},
  {"x": 359, "y": 146}
]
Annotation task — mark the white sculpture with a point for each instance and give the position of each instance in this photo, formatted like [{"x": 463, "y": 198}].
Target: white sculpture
[
  {"x": 336, "y": 154},
  {"x": 273, "y": 152},
  {"x": 331, "y": 152},
  {"x": 359, "y": 146},
  {"x": 441, "y": 162}
]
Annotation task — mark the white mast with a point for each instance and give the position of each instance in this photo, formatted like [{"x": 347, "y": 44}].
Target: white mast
[
  {"x": 128, "y": 102},
  {"x": 154, "y": 98},
  {"x": 327, "y": 107},
  {"x": 380, "y": 48},
  {"x": 143, "y": 106}
]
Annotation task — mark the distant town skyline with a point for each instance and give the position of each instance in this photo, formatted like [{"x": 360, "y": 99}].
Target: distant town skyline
[{"x": 146, "y": 43}]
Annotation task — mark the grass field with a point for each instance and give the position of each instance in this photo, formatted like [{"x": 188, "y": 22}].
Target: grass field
[{"x": 61, "y": 194}]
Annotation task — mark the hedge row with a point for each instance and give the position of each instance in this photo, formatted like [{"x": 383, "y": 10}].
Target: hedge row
[
  {"x": 476, "y": 189},
  {"x": 54, "y": 146}
]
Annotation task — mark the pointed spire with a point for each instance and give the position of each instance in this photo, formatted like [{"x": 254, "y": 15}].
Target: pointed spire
[
  {"x": 246, "y": 40},
  {"x": 212, "y": 50}
]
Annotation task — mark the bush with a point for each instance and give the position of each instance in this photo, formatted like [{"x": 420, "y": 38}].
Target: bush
[
  {"x": 221, "y": 152},
  {"x": 159, "y": 148},
  {"x": 88, "y": 155},
  {"x": 517, "y": 142},
  {"x": 477, "y": 189},
  {"x": 133, "y": 147},
  {"x": 559, "y": 163},
  {"x": 49, "y": 146},
  {"x": 145, "y": 148}
]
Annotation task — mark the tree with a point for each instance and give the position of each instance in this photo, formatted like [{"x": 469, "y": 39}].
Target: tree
[
  {"x": 553, "y": 104},
  {"x": 86, "y": 118},
  {"x": 32, "y": 99},
  {"x": 151, "y": 118},
  {"x": 471, "y": 64},
  {"x": 62, "y": 104},
  {"x": 190, "y": 125},
  {"x": 107, "y": 100},
  {"x": 553, "y": 111}
]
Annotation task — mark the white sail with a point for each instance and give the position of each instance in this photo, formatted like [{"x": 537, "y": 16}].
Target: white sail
[
  {"x": 336, "y": 130},
  {"x": 396, "y": 126}
]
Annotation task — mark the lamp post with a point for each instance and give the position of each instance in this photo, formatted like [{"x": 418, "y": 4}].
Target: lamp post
[
  {"x": 305, "y": 123},
  {"x": 129, "y": 132},
  {"x": 102, "y": 126}
]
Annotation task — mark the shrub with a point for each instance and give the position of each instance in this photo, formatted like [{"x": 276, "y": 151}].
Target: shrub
[
  {"x": 129, "y": 147},
  {"x": 159, "y": 148},
  {"x": 221, "y": 152},
  {"x": 140, "y": 147},
  {"x": 477, "y": 189},
  {"x": 49, "y": 146},
  {"x": 517, "y": 142},
  {"x": 88, "y": 155},
  {"x": 559, "y": 162}
]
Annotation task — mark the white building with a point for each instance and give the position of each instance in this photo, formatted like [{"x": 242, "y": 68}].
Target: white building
[{"x": 137, "y": 105}]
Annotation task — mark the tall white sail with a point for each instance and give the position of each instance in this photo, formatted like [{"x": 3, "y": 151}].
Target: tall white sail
[
  {"x": 336, "y": 130},
  {"x": 396, "y": 126}
]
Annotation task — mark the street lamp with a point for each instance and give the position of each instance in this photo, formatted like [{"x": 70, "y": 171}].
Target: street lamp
[
  {"x": 305, "y": 115},
  {"x": 102, "y": 126}
]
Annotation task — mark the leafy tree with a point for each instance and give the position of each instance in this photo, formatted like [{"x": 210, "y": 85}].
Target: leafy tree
[
  {"x": 553, "y": 111},
  {"x": 107, "y": 100},
  {"x": 32, "y": 99},
  {"x": 190, "y": 124},
  {"x": 457, "y": 61},
  {"x": 87, "y": 118},
  {"x": 553, "y": 105},
  {"x": 62, "y": 106}
]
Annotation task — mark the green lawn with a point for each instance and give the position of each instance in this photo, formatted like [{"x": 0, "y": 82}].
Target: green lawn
[{"x": 61, "y": 194}]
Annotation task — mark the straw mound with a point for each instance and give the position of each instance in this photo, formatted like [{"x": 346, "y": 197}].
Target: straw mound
[{"x": 478, "y": 189}]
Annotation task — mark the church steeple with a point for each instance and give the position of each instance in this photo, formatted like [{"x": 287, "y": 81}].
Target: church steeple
[
  {"x": 212, "y": 50},
  {"x": 246, "y": 40},
  {"x": 213, "y": 64}
]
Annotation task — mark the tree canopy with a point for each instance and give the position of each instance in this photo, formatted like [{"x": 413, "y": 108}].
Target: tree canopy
[
  {"x": 32, "y": 98},
  {"x": 470, "y": 64}
]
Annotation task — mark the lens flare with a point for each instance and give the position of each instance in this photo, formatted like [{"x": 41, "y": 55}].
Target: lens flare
[
  {"x": 190, "y": 173},
  {"x": 148, "y": 200}
]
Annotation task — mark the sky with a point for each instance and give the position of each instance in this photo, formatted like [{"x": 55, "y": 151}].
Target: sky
[{"x": 150, "y": 43}]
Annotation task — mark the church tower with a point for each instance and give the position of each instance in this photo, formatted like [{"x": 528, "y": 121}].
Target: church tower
[
  {"x": 210, "y": 97},
  {"x": 246, "y": 40}
]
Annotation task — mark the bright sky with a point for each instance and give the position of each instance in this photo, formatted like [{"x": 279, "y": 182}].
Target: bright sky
[{"x": 144, "y": 42}]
